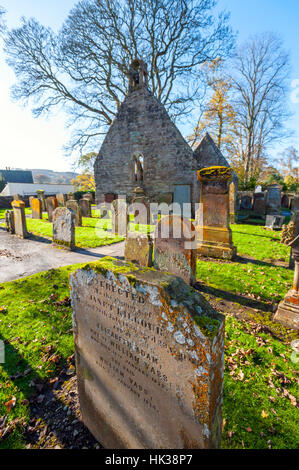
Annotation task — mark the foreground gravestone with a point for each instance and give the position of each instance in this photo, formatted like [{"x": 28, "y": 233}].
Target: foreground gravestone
[
  {"x": 64, "y": 228},
  {"x": 119, "y": 217},
  {"x": 36, "y": 207},
  {"x": 61, "y": 199},
  {"x": 19, "y": 218},
  {"x": 139, "y": 249},
  {"x": 72, "y": 205},
  {"x": 215, "y": 235},
  {"x": 140, "y": 207},
  {"x": 51, "y": 205},
  {"x": 9, "y": 222},
  {"x": 175, "y": 247},
  {"x": 85, "y": 206},
  {"x": 149, "y": 358}
]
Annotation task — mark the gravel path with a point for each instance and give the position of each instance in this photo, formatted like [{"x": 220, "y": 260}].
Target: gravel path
[{"x": 20, "y": 258}]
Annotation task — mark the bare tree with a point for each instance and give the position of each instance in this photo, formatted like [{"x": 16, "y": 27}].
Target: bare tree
[
  {"x": 84, "y": 67},
  {"x": 2, "y": 23},
  {"x": 259, "y": 82}
]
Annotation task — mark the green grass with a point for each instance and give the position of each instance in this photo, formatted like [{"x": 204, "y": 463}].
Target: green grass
[
  {"x": 256, "y": 278},
  {"x": 260, "y": 390},
  {"x": 35, "y": 322},
  {"x": 87, "y": 236}
]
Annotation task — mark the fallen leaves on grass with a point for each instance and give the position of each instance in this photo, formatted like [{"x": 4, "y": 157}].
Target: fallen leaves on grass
[{"x": 10, "y": 404}]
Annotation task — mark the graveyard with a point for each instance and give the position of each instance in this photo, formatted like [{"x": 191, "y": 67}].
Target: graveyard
[{"x": 39, "y": 380}]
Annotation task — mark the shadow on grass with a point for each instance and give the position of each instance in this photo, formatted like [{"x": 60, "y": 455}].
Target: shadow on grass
[
  {"x": 257, "y": 262},
  {"x": 50, "y": 409},
  {"x": 242, "y": 300}
]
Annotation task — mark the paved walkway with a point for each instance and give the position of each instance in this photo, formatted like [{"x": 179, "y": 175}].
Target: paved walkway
[{"x": 20, "y": 258}]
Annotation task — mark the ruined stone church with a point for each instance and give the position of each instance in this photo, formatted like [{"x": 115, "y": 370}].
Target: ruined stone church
[{"x": 144, "y": 148}]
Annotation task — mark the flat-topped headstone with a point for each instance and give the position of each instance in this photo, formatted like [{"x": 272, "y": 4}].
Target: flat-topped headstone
[
  {"x": 149, "y": 358},
  {"x": 85, "y": 206},
  {"x": 72, "y": 205},
  {"x": 259, "y": 203},
  {"x": 175, "y": 247},
  {"x": 9, "y": 222},
  {"x": 61, "y": 199},
  {"x": 19, "y": 219},
  {"x": 214, "y": 232},
  {"x": 64, "y": 228},
  {"x": 140, "y": 207},
  {"x": 36, "y": 207},
  {"x": 139, "y": 249}
]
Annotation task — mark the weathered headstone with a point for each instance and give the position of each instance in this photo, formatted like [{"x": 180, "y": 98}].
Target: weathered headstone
[
  {"x": 61, "y": 199},
  {"x": 245, "y": 202},
  {"x": 30, "y": 200},
  {"x": 295, "y": 204},
  {"x": 149, "y": 358},
  {"x": 72, "y": 205},
  {"x": 41, "y": 195},
  {"x": 140, "y": 207},
  {"x": 120, "y": 217},
  {"x": 88, "y": 196},
  {"x": 139, "y": 249},
  {"x": 70, "y": 196},
  {"x": 51, "y": 205},
  {"x": 64, "y": 228},
  {"x": 85, "y": 206},
  {"x": 9, "y": 222},
  {"x": 175, "y": 247},
  {"x": 214, "y": 235},
  {"x": 273, "y": 200},
  {"x": 36, "y": 207},
  {"x": 19, "y": 219},
  {"x": 109, "y": 198},
  {"x": 285, "y": 201}
]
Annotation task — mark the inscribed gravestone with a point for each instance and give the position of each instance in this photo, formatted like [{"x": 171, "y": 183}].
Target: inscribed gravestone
[
  {"x": 72, "y": 205},
  {"x": 19, "y": 218},
  {"x": 273, "y": 199},
  {"x": 64, "y": 228},
  {"x": 175, "y": 247},
  {"x": 85, "y": 206},
  {"x": 41, "y": 195},
  {"x": 215, "y": 235},
  {"x": 139, "y": 249},
  {"x": 149, "y": 358},
  {"x": 36, "y": 207}
]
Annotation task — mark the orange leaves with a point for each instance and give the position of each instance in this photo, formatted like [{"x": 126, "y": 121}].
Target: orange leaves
[{"x": 10, "y": 404}]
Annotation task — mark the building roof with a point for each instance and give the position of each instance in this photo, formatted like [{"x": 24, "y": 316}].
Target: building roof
[{"x": 16, "y": 176}]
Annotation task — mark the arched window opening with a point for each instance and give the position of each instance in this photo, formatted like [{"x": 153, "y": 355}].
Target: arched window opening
[{"x": 138, "y": 168}]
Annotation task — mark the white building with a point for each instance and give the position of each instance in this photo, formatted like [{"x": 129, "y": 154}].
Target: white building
[{"x": 30, "y": 189}]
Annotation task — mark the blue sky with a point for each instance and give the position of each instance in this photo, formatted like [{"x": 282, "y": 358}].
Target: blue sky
[{"x": 37, "y": 143}]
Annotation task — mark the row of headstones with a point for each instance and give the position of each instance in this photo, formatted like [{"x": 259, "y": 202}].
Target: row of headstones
[{"x": 41, "y": 204}]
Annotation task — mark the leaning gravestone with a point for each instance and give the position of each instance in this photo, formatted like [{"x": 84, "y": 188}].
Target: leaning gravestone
[
  {"x": 85, "y": 206},
  {"x": 72, "y": 205},
  {"x": 139, "y": 249},
  {"x": 19, "y": 218},
  {"x": 64, "y": 228},
  {"x": 149, "y": 358},
  {"x": 9, "y": 222},
  {"x": 51, "y": 205},
  {"x": 175, "y": 247},
  {"x": 36, "y": 207}
]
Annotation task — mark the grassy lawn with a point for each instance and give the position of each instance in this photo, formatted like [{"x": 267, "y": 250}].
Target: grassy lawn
[
  {"x": 255, "y": 278},
  {"x": 35, "y": 322},
  {"x": 86, "y": 236}
]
